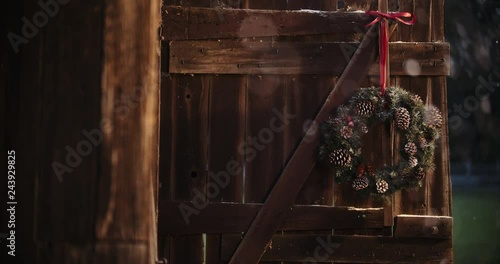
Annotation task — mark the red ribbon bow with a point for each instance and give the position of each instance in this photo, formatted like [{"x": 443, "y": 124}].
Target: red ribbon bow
[{"x": 384, "y": 38}]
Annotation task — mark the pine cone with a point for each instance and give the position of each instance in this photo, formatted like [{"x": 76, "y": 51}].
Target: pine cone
[
  {"x": 402, "y": 118},
  {"x": 382, "y": 186},
  {"x": 340, "y": 157},
  {"x": 410, "y": 148},
  {"x": 419, "y": 174},
  {"x": 364, "y": 108},
  {"x": 412, "y": 162},
  {"x": 346, "y": 132},
  {"x": 360, "y": 183},
  {"x": 433, "y": 117}
]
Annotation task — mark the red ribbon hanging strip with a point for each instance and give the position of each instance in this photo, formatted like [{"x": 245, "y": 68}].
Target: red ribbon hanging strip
[{"x": 384, "y": 37}]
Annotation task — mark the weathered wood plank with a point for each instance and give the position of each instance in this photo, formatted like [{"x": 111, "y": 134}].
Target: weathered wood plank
[
  {"x": 349, "y": 249},
  {"x": 225, "y": 132},
  {"x": 210, "y": 23},
  {"x": 235, "y": 217},
  {"x": 423, "y": 226},
  {"x": 236, "y": 57},
  {"x": 265, "y": 121},
  {"x": 439, "y": 196},
  {"x": 300, "y": 165},
  {"x": 440, "y": 200},
  {"x": 187, "y": 175}
]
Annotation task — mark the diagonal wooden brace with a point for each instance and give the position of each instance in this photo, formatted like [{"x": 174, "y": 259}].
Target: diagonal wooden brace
[{"x": 280, "y": 200}]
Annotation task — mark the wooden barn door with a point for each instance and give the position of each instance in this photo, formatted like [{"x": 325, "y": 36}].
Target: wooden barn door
[{"x": 239, "y": 91}]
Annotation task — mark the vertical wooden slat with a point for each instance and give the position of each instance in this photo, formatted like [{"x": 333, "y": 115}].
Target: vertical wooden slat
[
  {"x": 264, "y": 98},
  {"x": 439, "y": 197},
  {"x": 188, "y": 169},
  {"x": 189, "y": 158},
  {"x": 167, "y": 117},
  {"x": 226, "y": 132},
  {"x": 439, "y": 194}
]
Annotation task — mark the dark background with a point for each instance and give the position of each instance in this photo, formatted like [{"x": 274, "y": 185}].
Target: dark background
[{"x": 473, "y": 30}]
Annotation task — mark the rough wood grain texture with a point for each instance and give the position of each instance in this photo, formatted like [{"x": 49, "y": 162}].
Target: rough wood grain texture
[
  {"x": 264, "y": 105},
  {"x": 301, "y": 163},
  {"x": 439, "y": 196},
  {"x": 304, "y": 95},
  {"x": 188, "y": 153},
  {"x": 226, "y": 132},
  {"x": 188, "y": 175},
  {"x": 117, "y": 51},
  {"x": 349, "y": 249},
  {"x": 167, "y": 116},
  {"x": 251, "y": 57},
  {"x": 423, "y": 226},
  {"x": 237, "y": 217},
  {"x": 440, "y": 201},
  {"x": 126, "y": 163},
  {"x": 202, "y": 23}
]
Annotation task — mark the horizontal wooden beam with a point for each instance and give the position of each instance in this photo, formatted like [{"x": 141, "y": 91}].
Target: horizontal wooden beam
[
  {"x": 216, "y": 23},
  {"x": 309, "y": 248},
  {"x": 236, "y": 217},
  {"x": 423, "y": 226},
  {"x": 236, "y": 57}
]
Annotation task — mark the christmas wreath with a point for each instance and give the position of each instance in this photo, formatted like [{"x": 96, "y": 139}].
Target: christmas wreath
[{"x": 417, "y": 124}]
